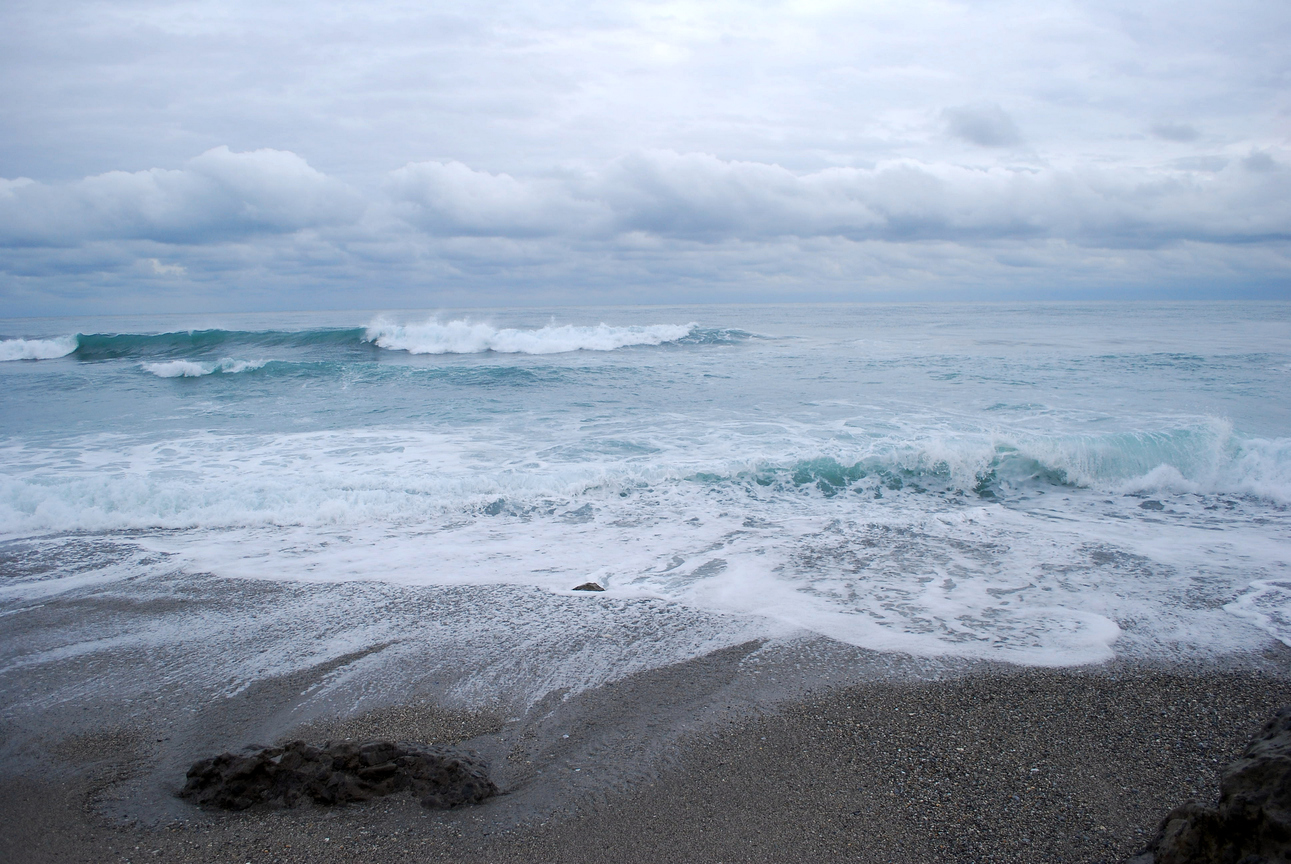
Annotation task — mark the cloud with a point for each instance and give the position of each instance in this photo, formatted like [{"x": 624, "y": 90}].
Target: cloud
[
  {"x": 223, "y": 197},
  {"x": 455, "y": 200},
  {"x": 1175, "y": 131},
  {"x": 983, "y": 125},
  {"x": 217, "y": 197},
  {"x": 161, "y": 269},
  {"x": 658, "y": 218},
  {"x": 700, "y": 198},
  {"x": 1260, "y": 162}
]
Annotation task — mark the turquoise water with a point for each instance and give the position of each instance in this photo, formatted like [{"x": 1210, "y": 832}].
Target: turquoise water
[{"x": 1044, "y": 484}]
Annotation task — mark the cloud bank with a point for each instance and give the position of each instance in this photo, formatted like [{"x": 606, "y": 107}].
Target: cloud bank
[{"x": 651, "y": 212}]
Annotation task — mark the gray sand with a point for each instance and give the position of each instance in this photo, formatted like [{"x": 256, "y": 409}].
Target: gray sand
[
  {"x": 763, "y": 749},
  {"x": 997, "y": 765}
]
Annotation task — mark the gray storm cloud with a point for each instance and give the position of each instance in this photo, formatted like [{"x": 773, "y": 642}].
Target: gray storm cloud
[{"x": 984, "y": 125}]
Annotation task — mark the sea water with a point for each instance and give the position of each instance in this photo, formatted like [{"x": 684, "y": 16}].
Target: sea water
[{"x": 1042, "y": 484}]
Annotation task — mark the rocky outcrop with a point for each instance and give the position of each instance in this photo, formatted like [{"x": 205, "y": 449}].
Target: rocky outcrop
[
  {"x": 1251, "y": 824},
  {"x": 337, "y": 773},
  {"x": 588, "y": 586}
]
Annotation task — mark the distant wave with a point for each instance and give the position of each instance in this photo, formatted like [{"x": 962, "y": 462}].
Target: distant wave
[
  {"x": 37, "y": 349},
  {"x": 432, "y": 337},
  {"x": 465, "y": 337},
  {"x": 184, "y": 344},
  {"x": 193, "y": 369}
]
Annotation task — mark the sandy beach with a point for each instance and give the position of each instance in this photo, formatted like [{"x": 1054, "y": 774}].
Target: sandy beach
[{"x": 763, "y": 751}]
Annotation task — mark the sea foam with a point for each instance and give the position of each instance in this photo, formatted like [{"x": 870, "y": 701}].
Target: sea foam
[
  {"x": 465, "y": 337},
  {"x": 37, "y": 349},
  {"x": 195, "y": 369}
]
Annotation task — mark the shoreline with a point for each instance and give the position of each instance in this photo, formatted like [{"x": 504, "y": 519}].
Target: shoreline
[{"x": 701, "y": 761}]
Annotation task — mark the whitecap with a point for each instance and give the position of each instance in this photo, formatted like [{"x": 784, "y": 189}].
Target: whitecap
[
  {"x": 465, "y": 337},
  {"x": 37, "y": 349},
  {"x": 194, "y": 369}
]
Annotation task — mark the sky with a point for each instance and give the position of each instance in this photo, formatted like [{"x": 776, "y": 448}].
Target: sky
[{"x": 255, "y": 156}]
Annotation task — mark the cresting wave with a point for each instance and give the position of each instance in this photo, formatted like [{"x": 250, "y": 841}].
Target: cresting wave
[
  {"x": 37, "y": 349},
  {"x": 1205, "y": 459},
  {"x": 465, "y": 337},
  {"x": 431, "y": 337},
  {"x": 386, "y": 477},
  {"x": 192, "y": 369}
]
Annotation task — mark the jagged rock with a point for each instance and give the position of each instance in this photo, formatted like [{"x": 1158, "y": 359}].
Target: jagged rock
[
  {"x": 337, "y": 773},
  {"x": 1251, "y": 824},
  {"x": 589, "y": 586}
]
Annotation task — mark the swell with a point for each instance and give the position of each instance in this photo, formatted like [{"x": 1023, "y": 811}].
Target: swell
[
  {"x": 199, "y": 342},
  {"x": 431, "y": 337},
  {"x": 360, "y": 373}
]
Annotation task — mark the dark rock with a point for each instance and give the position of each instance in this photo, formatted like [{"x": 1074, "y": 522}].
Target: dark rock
[
  {"x": 337, "y": 773},
  {"x": 589, "y": 586},
  {"x": 1151, "y": 505},
  {"x": 1251, "y": 824}
]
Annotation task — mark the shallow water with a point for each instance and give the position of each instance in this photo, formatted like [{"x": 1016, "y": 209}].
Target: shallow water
[{"x": 1043, "y": 484}]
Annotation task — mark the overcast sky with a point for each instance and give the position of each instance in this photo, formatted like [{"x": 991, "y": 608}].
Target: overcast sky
[{"x": 235, "y": 155}]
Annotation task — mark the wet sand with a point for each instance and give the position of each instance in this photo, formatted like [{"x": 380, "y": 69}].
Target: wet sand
[{"x": 701, "y": 761}]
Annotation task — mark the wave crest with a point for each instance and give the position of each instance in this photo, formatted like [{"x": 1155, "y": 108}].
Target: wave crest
[
  {"x": 37, "y": 349},
  {"x": 193, "y": 369},
  {"x": 1205, "y": 459},
  {"x": 465, "y": 337}
]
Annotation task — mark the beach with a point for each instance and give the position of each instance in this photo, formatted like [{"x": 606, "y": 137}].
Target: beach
[{"x": 706, "y": 760}]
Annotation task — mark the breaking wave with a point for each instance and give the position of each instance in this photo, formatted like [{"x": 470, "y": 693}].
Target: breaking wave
[
  {"x": 37, "y": 349},
  {"x": 466, "y": 337},
  {"x": 432, "y": 337},
  {"x": 357, "y": 478},
  {"x": 193, "y": 369},
  {"x": 1209, "y": 459}
]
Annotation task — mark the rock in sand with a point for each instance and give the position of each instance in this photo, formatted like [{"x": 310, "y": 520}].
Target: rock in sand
[
  {"x": 337, "y": 773},
  {"x": 1252, "y": 822}
]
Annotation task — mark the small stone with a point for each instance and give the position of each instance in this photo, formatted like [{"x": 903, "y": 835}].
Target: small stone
[{"x": 589, "y": 586}]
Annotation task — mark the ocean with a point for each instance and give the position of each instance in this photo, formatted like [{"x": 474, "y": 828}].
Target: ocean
[{"x": 1040, "y": 484}]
